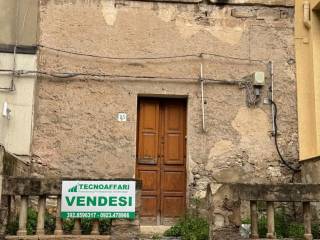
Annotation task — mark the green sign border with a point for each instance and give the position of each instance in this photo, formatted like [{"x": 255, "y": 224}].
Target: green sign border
[{"x": 97, "y": 215}]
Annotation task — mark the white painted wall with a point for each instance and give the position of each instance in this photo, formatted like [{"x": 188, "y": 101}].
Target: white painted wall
[{"x": 16, "y": 133}]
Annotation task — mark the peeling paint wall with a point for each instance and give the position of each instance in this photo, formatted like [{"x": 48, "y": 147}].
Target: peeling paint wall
[{"x": 76, "y": 131}]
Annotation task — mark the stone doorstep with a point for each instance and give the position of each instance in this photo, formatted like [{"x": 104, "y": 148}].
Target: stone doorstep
[
  {"x": 56, "y": 237},
  {"x": 153, "y": 230}
]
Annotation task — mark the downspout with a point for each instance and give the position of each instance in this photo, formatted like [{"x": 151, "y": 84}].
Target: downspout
[{"x": 306, "y": 14}]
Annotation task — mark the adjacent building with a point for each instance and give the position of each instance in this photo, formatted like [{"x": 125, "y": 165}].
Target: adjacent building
[{"x": 307, "y": 54}]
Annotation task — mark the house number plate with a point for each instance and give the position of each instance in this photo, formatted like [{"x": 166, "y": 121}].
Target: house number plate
[{"x": 122, "y": 117}]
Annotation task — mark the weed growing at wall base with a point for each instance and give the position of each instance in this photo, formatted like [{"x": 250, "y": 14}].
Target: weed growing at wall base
[{"x": 190, "y": 227}]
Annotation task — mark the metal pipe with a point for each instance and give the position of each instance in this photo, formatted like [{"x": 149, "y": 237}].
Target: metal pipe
[
  {"x": 14, "y": 64},
  {"x": 271, "y": 90},
  {"x": 202, "y": 98}
]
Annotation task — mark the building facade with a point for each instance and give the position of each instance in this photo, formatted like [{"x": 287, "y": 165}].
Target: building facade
[
  {"x": 155, "y": 90},
  {"x": 307, "y": 53}
]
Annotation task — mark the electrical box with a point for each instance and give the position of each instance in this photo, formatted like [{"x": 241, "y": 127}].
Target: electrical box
[{"x": 258, "y": 79}]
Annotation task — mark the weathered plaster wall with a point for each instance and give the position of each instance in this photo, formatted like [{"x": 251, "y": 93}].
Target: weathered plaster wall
[{"x": 76, "y": 132}]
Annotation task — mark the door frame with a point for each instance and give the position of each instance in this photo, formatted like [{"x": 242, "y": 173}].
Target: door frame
[{"x": 160, "y": 97}]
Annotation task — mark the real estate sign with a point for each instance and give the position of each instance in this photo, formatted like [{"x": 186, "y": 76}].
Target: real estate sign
[{"x": 98, "y": 199}]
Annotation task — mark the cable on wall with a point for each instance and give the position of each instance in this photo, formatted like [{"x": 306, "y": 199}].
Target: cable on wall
[
  {"x": 196, "y": 55},
  {"x": 104, "y": 75},
  {"x": 240, "y": 83},
  {"x": 285, "y": 162},
  {"x": 251, "y": 97}
]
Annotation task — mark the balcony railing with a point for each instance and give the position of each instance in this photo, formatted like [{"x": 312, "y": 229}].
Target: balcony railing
[
  {"x": 15, "y": 184},
  {"x": 227, "y": 198},
  {"x": 42, "y": 188}
]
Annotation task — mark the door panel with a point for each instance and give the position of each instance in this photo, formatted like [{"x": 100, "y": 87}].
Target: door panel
[
  {"x": 174, "y": 133},
  {"x": 148, "y": 132},
  {"x": 173, "y": 187},
  {"x": 149, "y": 178},
  {"x": 173, "y": 206},
  {"x": 161, "y": 159},
  {"x": 150, "y": 192},
  {"x": 173, "y": 181},
  {"x": 173, "y": 174},
  {"x": 149, "y": 206},
  {"x": 148, "y": 166}
]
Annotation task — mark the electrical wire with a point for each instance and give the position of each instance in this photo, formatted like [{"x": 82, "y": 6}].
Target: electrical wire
[
  {"x": 251, "y": 97},
  {"x": 117, "y": 58},
  {"x": 218, "y": 81},
  {"x": 104, "y": 75},
  {"x": 199, "y": 55},
  {"x": 295, "y": 170},
  {"x": 235, "y": 58}
]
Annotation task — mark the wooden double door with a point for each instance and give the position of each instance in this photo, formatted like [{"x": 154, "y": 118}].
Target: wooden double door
[{"x": 161, "y": 159}]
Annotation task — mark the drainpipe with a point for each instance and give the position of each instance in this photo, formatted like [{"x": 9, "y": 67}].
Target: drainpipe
[{"x": 306, "y": 14}]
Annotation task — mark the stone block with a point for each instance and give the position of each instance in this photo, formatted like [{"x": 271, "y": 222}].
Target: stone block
[
  {"x": 284, "y": 14},
  {"x": 34, "y": 186},
  {"x": 3, "y": 220},
  {"x": 243, "y": 13},
  {"x": 287, "y": 192},
  {"x": 123, "y": 229},
  {"x": 268, "y": 14},
  {"x": 311, "y": 171}
]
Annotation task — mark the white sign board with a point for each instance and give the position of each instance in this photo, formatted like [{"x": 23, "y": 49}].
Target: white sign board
[{"x": 98, "y": 199}]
